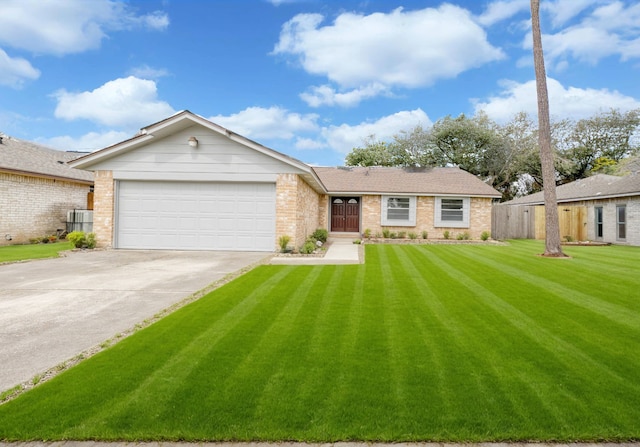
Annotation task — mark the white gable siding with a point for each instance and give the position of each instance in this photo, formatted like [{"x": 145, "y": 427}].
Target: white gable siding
[{"x": 216, "y": 158}]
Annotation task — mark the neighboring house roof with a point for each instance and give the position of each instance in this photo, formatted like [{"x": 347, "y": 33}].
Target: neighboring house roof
[
  {"x": 26, "y": 158},
  {"x": 599, "y": 186},
  {"x": 419, "y": 181}
]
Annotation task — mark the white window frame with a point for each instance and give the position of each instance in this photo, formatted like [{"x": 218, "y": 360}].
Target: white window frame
[
  {"x": 464, "y": 223},
  {"x": 385, "y": 221}
]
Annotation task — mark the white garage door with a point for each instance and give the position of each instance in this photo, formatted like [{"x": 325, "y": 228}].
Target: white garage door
[{"x": 196, "y": 216}]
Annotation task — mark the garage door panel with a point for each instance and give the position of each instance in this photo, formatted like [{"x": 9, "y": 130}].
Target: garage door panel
[{"x": 196, "y": 216}]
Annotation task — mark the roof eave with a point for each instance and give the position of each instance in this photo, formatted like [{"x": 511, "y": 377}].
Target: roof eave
[{"x": 47, "y": 176}]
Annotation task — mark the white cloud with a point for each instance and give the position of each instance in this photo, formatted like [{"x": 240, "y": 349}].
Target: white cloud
[
  {"x": 69, "y": 26},
  {"x": 89, "y": 142},
  {"x": 408, "y": 49},
  {"x": 498, "y": 11},
  {"x": 608, "y": 30},
  {"x": 147, "y": 72},
  {"x": 345, "y": 137},
  {"x": 321, "y": 95},
  {"x": 14, "y": 71},
  {"x": 561, "y": 11},
  {"x": 126, "y": 102},
  {"x": 564, "y": 102},
  {"x": 271, "y": 123},
  {"x": 306, "y": 144}
]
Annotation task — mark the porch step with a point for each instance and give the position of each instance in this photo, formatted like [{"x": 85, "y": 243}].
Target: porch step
[{"x": 341, "y": 237}]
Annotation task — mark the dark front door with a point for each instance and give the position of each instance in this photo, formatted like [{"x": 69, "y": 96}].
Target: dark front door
[{"x": 345, "y": 214}]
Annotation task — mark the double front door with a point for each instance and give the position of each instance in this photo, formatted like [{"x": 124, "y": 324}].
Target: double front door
[{"x": 345, "y": 214}]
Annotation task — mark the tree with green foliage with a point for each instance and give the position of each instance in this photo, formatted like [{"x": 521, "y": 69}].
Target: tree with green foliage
[
  {"x": 374, "y": 153},
  {"x": 599, "y": 142}
]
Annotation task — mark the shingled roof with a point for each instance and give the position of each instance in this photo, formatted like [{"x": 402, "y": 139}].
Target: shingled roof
[
  {"x": 599, "y": 186},
  {"x": 26, "y": 158},
  {"x": 418, "y": 181}
]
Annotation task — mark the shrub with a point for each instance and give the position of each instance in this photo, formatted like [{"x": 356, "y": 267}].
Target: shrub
[
  {"x": 386, "y": 233},
  {"x": 377, "y": 235},
  {"x": 568, "y": 238},
  {"x": 463, "y": 236},
  {"x": 367, "y": 233},
  {"x": 81, "y": 240},
  {"x": 283, "y": 241},
  {"x": 485, "y": 235},
  {"x": 446, "y": 234},
  {"x": 412, "y": 235},
  {"x": 77, "y": 238},
  {"x": 393, "y": 235},
  {"x": 91, "y": 241},
  {"x": 357, "y": 242},
  {"x": 425, "y": 234},
  {"x": 402, "y": 234},
  {"x": 308, "y": 247},
  {"x": 321, "y": 235}
]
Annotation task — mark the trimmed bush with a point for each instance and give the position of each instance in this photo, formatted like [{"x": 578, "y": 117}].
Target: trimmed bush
[
  {"x": 321, "y": 235},
  {"x": 283, "y": 241},
  {"x": 308, "y": 247}
]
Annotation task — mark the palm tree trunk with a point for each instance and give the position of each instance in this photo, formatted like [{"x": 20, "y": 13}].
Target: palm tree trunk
[{"x": 552, "y": 232}]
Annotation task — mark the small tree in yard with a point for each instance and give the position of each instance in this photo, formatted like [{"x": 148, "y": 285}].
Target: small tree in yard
[{"x": 552, "y": 234}]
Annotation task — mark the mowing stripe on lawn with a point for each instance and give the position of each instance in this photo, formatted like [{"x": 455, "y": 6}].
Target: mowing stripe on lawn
[{"x": 421, "y": 343}]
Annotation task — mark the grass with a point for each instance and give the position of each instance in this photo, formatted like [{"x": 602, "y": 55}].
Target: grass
[
  {"x": 422, "y": 343},
  {"x": 12, "y": 253}
]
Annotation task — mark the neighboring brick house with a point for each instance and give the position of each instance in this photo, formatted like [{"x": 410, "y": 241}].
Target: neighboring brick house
[
  {"x": 608, "y": 208},
  {"x": 37, "y": 188},
  {"x": 187, "y": 183}
]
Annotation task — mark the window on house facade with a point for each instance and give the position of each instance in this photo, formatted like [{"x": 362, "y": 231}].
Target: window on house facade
[
  {"x": 621, "y": 213},
  {"x": 599, "y": 222},
  {"x": 452, "y": 212},
  {"x": 398, "y": 211}
]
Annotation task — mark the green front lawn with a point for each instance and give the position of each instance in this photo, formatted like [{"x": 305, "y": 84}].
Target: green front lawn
[
  {"x": 10, "y": 253},
  {"x": 428, "y": 343}
]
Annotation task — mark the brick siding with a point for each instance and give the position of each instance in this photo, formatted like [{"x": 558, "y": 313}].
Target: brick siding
[
  {"x": 479, "y": 219},
  {"x": 35, "y": 206},
  {"x": 297, "y": 209},
  {"x": 103, "y": 201}
]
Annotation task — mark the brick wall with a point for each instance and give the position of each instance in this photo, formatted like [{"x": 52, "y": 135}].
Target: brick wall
[
  {"x": 479, "y": 219},
  {"x": 297, "y": 209},
  {"x": 103, "y": 202},
  {"x": 33, "y": 206}
]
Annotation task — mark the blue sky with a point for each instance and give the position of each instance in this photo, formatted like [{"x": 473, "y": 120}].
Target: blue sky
[{"x": 309, "y": 78}]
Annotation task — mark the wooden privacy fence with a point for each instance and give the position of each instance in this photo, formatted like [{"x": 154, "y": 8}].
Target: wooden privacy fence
[
  {"x": 572, "y": 219},
  {"x": 513, "y": 222},
  {"x": 528, "y": 222}
]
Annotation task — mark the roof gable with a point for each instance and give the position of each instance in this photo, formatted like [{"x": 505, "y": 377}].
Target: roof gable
[
  {"x": 26, "y": 158},
  {"x": 178, "y": 123},
  {"x": 418, "y": 181}
]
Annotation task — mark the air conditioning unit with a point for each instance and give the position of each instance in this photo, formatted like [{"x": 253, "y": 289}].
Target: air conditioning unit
[{"x": 79, "y": 220}]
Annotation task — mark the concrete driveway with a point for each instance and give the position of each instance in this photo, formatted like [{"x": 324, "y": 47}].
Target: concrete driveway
[{"x": 51, "y": 310}]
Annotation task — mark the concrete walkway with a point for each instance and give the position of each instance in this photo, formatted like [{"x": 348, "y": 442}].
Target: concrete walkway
[{"x": 340, "y": 251}]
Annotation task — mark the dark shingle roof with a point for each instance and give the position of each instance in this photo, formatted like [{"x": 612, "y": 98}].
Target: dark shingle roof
[
  {"x": 595, "y": 187},
  {"x": 29, "y": 158},
  {"x": 421, "y": 181}
]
